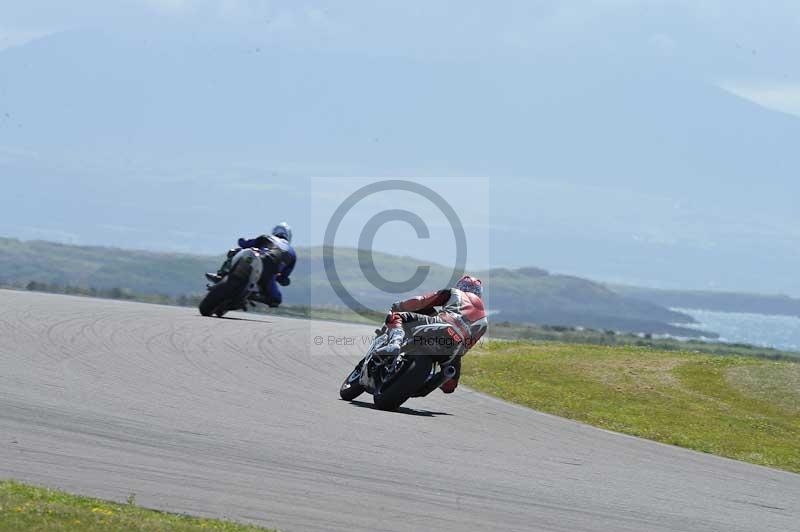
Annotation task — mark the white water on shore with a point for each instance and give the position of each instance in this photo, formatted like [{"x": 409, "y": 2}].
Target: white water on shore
[{"x": 780, "y": 332}]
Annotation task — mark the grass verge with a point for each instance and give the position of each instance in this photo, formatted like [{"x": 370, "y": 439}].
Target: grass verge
[
  {"x": 739, "y": 407},
  {"x": 25, "y": 508}
]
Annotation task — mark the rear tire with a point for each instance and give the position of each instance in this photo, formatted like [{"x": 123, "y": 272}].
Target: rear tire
[
  {"x": 351, "y": 388},
  {"x": 406, "y": 385},
  {"x": 228, "y": 289}
]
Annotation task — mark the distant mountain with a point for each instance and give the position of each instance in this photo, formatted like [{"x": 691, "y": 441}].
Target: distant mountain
[
  {"x": 776, "y": 305},
  {"x": 526, "y": 295},
  {"x": 160, "y": 101}
]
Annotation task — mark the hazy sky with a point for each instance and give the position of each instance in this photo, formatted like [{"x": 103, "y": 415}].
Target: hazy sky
[
  {"x": 610, "y": 148},
  {"x": 749, "y": 47}
]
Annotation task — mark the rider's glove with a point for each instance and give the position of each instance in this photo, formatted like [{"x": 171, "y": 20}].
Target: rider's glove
[
  {"x": 242, "y": 242},
  {"x": 283, "y": 281}
]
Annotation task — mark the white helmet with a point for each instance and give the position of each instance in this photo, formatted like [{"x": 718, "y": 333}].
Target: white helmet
[{"x": 283, "y": 230}]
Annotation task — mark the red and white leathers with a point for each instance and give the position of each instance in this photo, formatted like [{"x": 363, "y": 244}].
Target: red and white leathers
[{"x": 454, "y": 330}]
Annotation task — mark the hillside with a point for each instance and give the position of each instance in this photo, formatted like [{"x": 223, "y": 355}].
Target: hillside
[
  {"x": 102, "y": 268},
  {"x": 533, "y": 295},
  {"x": 527, "y": 295}
]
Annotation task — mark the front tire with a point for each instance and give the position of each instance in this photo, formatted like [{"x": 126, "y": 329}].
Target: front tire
[
  {"x": 351, "y": 388},
  {"x": 226, "y": 290},
  {"x": 398, "y": 391}
]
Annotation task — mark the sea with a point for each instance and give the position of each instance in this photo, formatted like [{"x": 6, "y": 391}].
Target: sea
[{"x": 780, "y": 332}]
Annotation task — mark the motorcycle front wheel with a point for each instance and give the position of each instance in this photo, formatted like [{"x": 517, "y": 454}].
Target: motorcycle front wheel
[{"x": 351, "y": 388}]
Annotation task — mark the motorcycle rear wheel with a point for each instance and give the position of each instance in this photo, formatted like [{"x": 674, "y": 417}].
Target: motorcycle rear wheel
[
  {"x": 226, "y": 290},
  {"x": 398, "y": 391}
]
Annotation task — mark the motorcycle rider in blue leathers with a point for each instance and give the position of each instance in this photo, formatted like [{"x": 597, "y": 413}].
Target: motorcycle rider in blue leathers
[{"x": 278, "y": 257}]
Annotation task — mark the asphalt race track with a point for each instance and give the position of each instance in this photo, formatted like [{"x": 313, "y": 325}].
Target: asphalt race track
[{"x": 240, "y": 418}]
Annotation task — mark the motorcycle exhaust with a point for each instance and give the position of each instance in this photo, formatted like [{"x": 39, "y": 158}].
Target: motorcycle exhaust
[{"x": 448, "y": 373}]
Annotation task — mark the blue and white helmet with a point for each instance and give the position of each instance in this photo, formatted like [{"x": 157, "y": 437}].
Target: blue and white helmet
[
  {"x": 283, "y": 230},
  {"x": 470, "y": 284}
]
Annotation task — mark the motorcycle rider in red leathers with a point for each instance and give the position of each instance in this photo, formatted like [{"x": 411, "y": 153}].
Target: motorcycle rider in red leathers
[{"x": 454, "y": 330}]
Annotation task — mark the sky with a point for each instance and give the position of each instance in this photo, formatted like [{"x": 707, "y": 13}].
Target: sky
[
  {"x": 744, "y": 46},
  {"x": 636, "y": 141}
]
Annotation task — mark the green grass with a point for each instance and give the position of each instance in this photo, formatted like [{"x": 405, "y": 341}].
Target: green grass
[
  {"x": 28, "y": 508},
  {"x": 575, "y": 335},
  {"x": 739, "y": 407}
]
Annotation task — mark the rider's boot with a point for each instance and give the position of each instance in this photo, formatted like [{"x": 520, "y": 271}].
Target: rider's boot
[
  {"x": 396, "y": 337},
  {"x": 451, "y": 385},
  {"x": 224, "y": 269}
]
